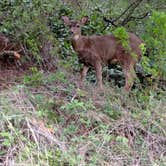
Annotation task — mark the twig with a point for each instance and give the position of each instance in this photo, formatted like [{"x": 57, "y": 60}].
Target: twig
[{"x": 49, "y": 136}]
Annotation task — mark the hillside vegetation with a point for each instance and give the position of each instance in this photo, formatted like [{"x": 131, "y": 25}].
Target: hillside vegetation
[{"x": 46, "y": 119}]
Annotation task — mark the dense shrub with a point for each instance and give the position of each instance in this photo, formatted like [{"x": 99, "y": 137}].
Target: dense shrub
[
  {"x": 27, "y": 22},
  {"x": 154, "y": 38}
]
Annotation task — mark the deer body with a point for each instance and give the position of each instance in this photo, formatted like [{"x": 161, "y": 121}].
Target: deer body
[{"x": 102, "y": 50}]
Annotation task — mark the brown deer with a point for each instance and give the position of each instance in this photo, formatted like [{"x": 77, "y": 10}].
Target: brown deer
[{"x": 96, "y": 51}]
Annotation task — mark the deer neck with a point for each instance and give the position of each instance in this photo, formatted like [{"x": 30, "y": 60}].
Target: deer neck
[
  {"x": 77, "y": 42},
  {"x": 76, "y": 37}
]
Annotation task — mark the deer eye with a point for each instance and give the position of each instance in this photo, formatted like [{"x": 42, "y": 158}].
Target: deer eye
[{"x": 77, "y": 26}]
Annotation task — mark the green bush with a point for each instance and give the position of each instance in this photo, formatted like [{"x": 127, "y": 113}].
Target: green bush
[
  {"x": 27, "y": 22},
  {"x": 155, "y": 41},
  {"x": 35, "y": 78},
  {"x": 123, "y": 37}
]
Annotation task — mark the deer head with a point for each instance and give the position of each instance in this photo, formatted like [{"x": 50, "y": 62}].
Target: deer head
[{"x": 75, "y": 26}]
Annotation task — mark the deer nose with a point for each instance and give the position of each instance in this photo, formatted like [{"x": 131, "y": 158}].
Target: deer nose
[{"x": 71, "y": 32}]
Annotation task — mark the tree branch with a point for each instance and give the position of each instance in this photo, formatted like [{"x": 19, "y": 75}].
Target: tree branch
[
  {"x": 140, "y": 17},
  {"x": 109, "y": 21},
  {"x": 14, "y": 53},
  {"x": 130, "y": 9}
]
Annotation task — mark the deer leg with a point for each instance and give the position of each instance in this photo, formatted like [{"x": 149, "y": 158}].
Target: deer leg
[
  {"x": 98, "y": 68},
  {"x": 83, "y": 74},
  {"x": 129, "y": 73}
]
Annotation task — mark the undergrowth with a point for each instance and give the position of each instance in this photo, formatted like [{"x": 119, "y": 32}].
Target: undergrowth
[{"x": 55, "y": 123}]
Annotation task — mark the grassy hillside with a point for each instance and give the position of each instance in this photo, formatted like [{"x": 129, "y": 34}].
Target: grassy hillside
[{"x": 52, "y": 122}]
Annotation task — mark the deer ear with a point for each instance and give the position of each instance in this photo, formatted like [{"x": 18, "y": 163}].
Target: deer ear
[
  {"x": 66, "y": 20},
  {"x": 84, "y": 20}
]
